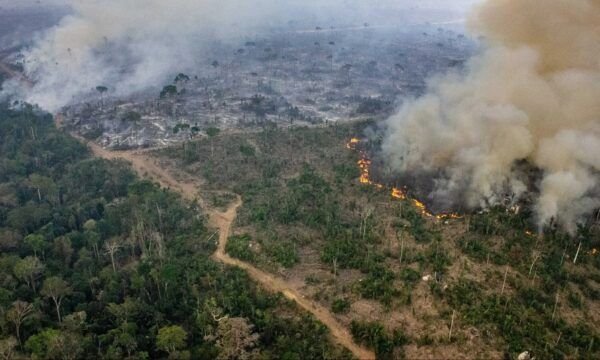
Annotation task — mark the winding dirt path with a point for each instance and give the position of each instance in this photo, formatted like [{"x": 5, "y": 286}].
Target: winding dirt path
[{"x": 145, "y": 166}]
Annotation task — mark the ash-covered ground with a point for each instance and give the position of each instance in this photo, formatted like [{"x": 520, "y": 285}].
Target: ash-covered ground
[
  {"x": 316, "y": 76},
  {"x": 293, "y": 74}
]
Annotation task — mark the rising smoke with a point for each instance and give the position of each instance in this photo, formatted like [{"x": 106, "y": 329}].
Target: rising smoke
[
  {"x": 132, "y": 45},
  {"x": 126, "y": 45},
  {"x": 532, "y": 94}
]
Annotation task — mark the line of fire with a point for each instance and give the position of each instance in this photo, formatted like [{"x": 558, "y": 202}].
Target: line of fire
[{"x": 364, "y": 164}]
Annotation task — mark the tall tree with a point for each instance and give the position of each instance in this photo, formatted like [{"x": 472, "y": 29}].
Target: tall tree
[
  {"x": 37, "y": 243},
  {"x": 44, "y": 187},
  {"x": 111, "y": 247},
  {"x": 171, "y": 339},
  {"x": 56, "y": 289},
  {"x": 17, "y": 314},
  {"x": 29, "y": 270},
  {"x": 236, "y": 339}
]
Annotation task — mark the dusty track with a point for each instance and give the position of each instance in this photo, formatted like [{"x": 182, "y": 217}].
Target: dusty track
[{"x": 145, "y": 166}]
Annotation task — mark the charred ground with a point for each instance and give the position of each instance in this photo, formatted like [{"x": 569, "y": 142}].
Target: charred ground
[{"x": 290, "y": 78}]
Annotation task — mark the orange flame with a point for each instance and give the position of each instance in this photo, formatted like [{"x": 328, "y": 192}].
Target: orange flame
[
  {"x": 352, "y": 143},
  {"x": 364, "y": 164},
  {"x": 398, "y": 194},
  {"x": 422, "y": 208}
]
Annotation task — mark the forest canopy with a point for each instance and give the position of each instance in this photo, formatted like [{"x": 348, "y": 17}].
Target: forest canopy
[{"x": 96, "y": 263}]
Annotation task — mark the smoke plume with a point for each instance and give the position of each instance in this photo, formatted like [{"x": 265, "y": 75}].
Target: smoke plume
[
  {"x": 125, "y": 45},
  {"x": 533, "y": 93},
  {"x": 131, "y": 45}
]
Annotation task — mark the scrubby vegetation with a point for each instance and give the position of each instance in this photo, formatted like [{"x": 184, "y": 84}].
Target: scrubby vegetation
[
  {"x": 374, "y": 335},
  {"x": 96, "y": 263},
  {"x": 386, "y": 268}
]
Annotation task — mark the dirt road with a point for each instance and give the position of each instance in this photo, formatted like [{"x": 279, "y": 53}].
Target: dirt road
[{"x": 145, "y": 166}]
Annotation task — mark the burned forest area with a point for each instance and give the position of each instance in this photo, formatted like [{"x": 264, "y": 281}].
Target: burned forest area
[
  {"x": 310, "y": 190},
  {"x": 302, "y": 79}
]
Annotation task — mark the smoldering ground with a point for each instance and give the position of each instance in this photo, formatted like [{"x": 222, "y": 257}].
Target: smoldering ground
[{"x": 531, "y": 94}]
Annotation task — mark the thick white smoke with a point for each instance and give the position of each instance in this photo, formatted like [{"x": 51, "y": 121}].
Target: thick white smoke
[
  {"x": 532, "y": 94},
  {"x": 126, "y": 45}
]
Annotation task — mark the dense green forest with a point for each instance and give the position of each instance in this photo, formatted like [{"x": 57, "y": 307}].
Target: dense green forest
[{"x": 96, "y": 263}]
